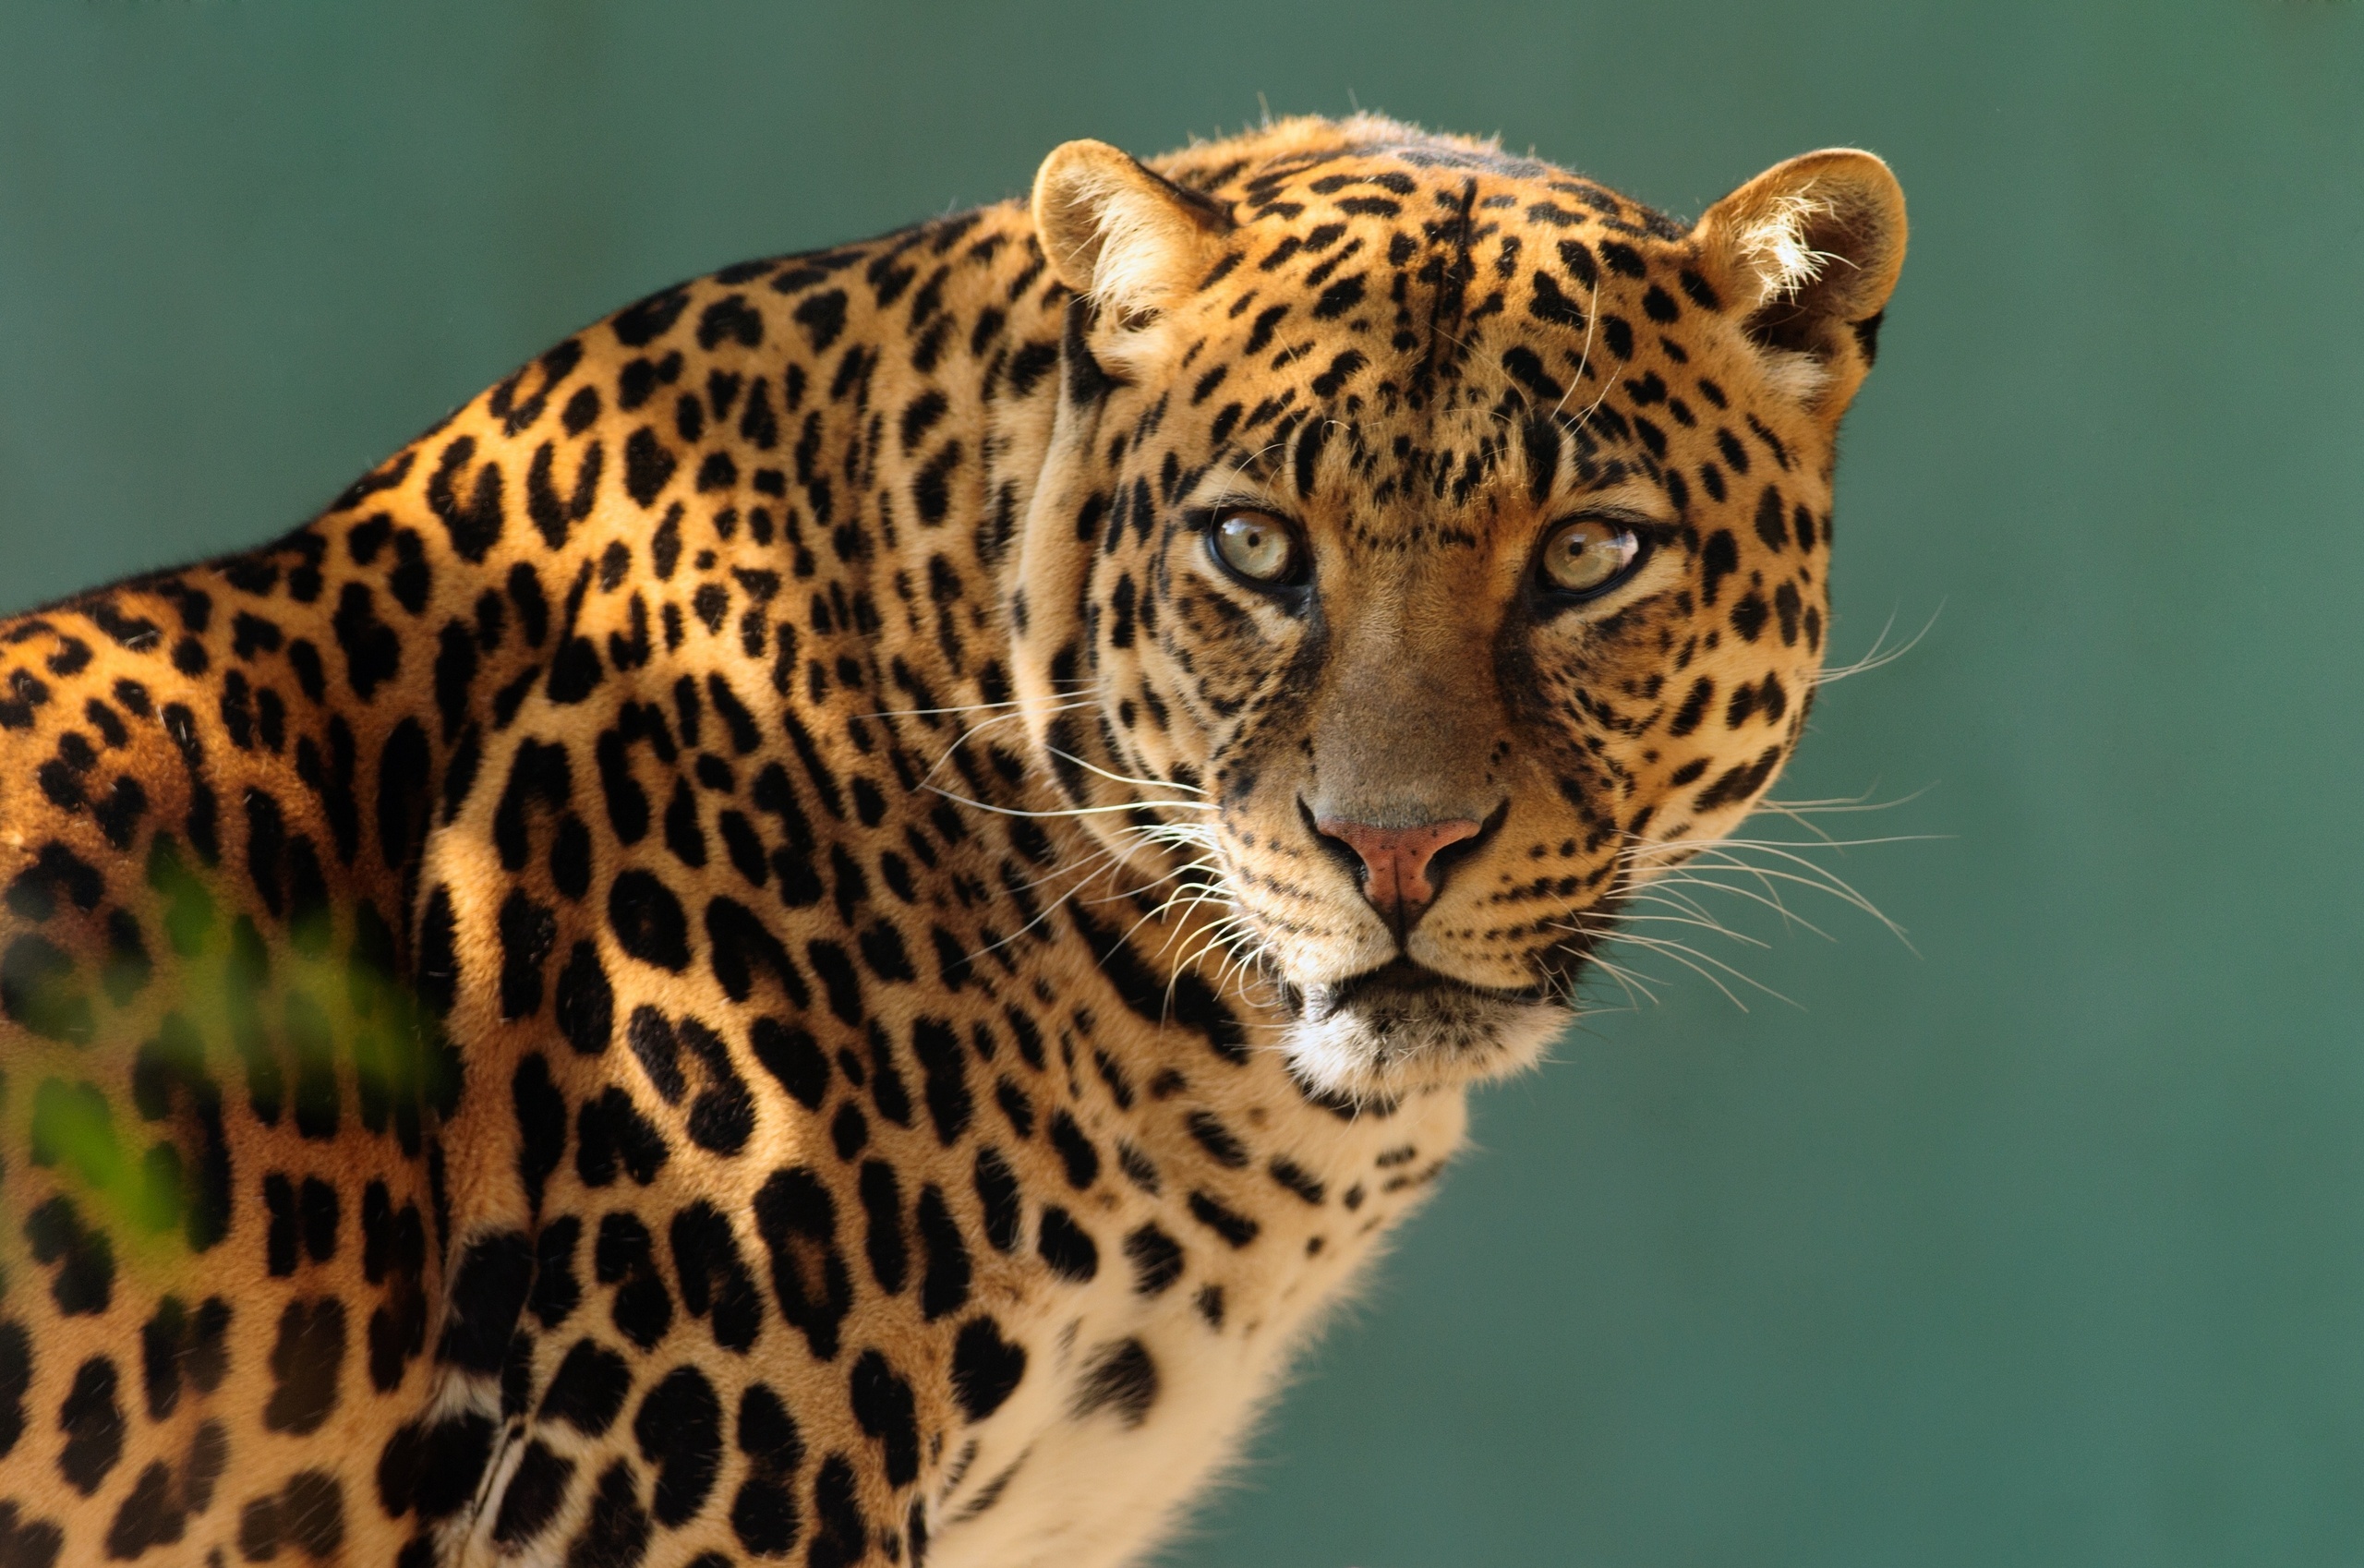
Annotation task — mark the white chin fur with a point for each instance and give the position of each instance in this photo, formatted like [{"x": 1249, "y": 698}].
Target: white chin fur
[{"x": 1387, "y": 1043}]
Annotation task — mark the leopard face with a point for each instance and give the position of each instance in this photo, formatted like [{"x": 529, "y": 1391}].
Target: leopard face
[{"x": 1433, "y": 546}]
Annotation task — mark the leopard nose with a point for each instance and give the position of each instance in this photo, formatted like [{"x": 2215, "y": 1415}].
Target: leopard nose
[{"x": 1399, "y": 873}]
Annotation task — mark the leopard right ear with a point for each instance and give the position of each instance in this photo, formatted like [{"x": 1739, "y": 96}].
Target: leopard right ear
[
  {"x": 1806, "y": 256},
  {"x": 1122, "y": 236}
]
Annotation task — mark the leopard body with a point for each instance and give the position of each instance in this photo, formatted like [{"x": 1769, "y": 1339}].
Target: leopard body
[{"x": 730, "y": 958}]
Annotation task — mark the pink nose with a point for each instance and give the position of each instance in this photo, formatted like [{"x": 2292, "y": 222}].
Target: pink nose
[{"x": 1395, "y": 861}]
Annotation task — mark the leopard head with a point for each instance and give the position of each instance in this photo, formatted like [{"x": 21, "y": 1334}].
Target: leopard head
[{"x": 1433, "y": 545}]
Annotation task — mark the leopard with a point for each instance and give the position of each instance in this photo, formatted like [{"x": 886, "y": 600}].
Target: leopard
[{"x": 824, "y": 926}]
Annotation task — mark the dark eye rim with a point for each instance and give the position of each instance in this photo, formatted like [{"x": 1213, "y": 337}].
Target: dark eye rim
[
  {"x": 1292, "y": 585},
  {"x": 1646, "y": 535}
]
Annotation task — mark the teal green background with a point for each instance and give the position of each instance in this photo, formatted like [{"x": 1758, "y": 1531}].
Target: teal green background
[{"x": 2038, "y": 1242}]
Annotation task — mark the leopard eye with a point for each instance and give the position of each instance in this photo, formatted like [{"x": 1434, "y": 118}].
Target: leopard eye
[
  {"x": 1589, "y": 556},
  {"x": 1256, "y": 545}
]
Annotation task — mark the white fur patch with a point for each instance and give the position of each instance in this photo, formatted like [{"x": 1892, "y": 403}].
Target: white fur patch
[
  {"x": 1774, "y": 248},
  {"x": 1388, "y": 1044},
  {"x": 1799, "y": 376}
]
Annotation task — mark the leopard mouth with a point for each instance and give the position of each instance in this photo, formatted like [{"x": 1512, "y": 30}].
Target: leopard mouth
[
  {"x": 1403, "y": 984},
  {"x": 1402, "y": 1028}
]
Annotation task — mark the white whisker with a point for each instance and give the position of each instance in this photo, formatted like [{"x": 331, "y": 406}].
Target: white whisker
[
  {"x": 1059, "y": 811},
  {"x": 1702, "y": 964},
  {"x": 1718, "y": 927},
  {"x": 1122, "y": 779},
  {"x": 1877, "y": 658},
  {"x": 979, "y": 727}
]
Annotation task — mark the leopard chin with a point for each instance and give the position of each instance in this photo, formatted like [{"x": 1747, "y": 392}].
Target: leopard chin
[{"x": 1401, "y": 1028}]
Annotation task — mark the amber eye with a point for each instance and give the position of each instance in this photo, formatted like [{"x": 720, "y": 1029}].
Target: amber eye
[
  {"x": 1590, "y": 555},
  {"x": 1256, "y": 545}
]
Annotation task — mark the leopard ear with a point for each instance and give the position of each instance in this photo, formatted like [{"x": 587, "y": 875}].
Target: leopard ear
[
  {"x": 1120, "y": 234},
  {"x": 1806, "y": 254}
]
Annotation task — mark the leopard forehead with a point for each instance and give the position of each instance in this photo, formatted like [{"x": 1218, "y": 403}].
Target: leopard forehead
[{"x": 1417, "y": 288}]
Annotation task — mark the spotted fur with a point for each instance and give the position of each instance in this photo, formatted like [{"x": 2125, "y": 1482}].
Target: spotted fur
[{"x": 728, "y": 958}]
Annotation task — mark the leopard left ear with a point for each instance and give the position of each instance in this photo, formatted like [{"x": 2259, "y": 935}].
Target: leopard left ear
[
  {"x": 1122, "y": 236},
  {"x": 1806, "y": 254}
]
